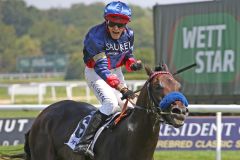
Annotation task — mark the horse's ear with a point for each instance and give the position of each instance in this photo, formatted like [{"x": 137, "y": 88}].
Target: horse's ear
[
  {"x": 165, "y": 67},
  {"x": 148, "y": 70}
]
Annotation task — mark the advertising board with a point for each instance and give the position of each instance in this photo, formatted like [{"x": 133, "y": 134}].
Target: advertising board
[
  {"x": 198, "y": 133},
  {"x": 205, "y": 33}
]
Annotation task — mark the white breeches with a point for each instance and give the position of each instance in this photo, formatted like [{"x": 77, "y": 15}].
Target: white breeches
[{"x": 109, "y": 97}]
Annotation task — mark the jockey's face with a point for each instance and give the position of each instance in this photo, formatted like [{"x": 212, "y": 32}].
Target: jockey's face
[{"x": 115, "y": 29}]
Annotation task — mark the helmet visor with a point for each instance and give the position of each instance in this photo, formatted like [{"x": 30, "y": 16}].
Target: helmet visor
[{"x": 117, "y": 18}]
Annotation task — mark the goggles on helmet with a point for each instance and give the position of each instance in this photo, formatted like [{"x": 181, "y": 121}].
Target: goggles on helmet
[{"x": 113, "y": 24}]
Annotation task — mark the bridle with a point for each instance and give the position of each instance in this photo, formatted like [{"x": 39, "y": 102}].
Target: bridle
[
  {"x": 149, "y": 89},
  {"x": 154, "y": 107}
]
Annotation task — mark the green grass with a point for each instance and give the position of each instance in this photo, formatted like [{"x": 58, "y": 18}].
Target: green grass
[
  {"x": 4, "y": 93},
  {"x": 78, "y": 93},
  {"x": 18, "y": 114},
  {"x": 30, "y": 80},
  {"x": 159, "y": 155},
  {"x": 10, "y": 150},
  {"x": 136, "y": 76},
  {"x": 195, "y": 155}
]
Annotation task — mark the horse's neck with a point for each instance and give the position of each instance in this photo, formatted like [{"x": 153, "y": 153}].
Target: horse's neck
[
  {"x": 144, "y": 133},
  {"x": 144, "y": 129},
  {"x": 143, "y": 98},
  {"x": 138, "y": 133},
  {"x": 144, "y": 118}
]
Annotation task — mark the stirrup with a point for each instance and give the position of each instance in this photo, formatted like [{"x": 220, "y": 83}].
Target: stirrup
[
  {"x": 84, "y": 150},
  {"x": 89, "y": 153}
]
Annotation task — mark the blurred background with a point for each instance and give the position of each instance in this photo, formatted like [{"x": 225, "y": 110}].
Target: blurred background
[
  {"x": 42, "y": 41},
  {"x": 41, "y": 63}
]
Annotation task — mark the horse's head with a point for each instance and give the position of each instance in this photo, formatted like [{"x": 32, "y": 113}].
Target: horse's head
[{"x": 164, "y": 93}]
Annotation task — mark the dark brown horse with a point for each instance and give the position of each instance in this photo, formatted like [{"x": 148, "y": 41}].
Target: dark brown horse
[{"x": 134, "y": 138}]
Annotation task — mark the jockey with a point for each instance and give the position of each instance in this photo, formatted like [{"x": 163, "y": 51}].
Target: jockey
[{"x": 107, "y": 47}]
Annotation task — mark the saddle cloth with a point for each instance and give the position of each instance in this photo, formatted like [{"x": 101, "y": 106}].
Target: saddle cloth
[{"x": 82, "y": 125}]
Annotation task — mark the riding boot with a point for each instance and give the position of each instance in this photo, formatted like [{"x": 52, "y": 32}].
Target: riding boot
[{"x": 83, "y": 147}]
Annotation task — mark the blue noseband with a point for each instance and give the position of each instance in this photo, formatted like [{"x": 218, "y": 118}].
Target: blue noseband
[{"x": 172, "y": 97}]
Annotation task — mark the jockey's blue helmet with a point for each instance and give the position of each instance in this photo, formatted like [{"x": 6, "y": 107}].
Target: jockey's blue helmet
[{"x": 118, "y": 12}]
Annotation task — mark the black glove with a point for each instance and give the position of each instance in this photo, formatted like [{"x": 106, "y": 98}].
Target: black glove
[
  {"x": 136, "y": 66},
  {"x": 126, "y": 94}
]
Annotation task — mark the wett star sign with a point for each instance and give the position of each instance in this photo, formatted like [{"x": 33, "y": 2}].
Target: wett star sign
[
  {"x": 205, "y": 33},
  {"x": 211, "y": 37},
  {"x": 209, "y": 41}
]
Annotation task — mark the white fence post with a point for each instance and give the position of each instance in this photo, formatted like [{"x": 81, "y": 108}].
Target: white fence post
[
  {"x": 53, "y": 91},
  {"x": 88, "y": 93},
  {"x": 41, "y": 91},
  {"x": 219, "y": 135},
  {"x": 69, "y": 91},
  {"x": 12, "y": 88}
]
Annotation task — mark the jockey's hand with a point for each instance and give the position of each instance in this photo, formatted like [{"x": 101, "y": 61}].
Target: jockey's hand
[
  {"x": 127, "y": 94},
  {"x": 136, "y": 66}
]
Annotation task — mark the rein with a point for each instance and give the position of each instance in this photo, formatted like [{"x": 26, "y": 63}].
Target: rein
[{"x": 155, "y": 108}]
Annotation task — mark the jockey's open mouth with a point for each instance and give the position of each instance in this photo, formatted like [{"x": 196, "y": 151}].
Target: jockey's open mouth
[{"x": 116, "y": 32}]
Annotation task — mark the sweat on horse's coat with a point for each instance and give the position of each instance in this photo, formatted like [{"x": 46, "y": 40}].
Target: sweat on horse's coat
[{"x": 134, "y": 138}]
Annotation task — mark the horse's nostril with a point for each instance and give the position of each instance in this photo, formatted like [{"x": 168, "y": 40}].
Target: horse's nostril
[
  {"x": 186, "y": 111},
  {"x": 176, "y": 111}
]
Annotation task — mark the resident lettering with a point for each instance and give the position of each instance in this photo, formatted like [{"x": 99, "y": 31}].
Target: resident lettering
[{"x": 195, "y": 129}]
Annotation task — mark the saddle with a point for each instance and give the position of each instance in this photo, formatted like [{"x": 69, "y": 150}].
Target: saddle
[{"x": 111, "y": 122}]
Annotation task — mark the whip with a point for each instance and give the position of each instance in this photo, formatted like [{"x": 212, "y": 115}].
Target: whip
[{"x": 185, "y": 68}]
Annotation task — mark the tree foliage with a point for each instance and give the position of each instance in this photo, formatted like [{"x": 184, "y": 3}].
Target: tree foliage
[
  {"x": 16, "y": 13},
  {"x": 28, "y": 31}
]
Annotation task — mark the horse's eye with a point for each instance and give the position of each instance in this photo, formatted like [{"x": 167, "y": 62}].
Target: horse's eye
[{"x": 159, "y": 86}]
